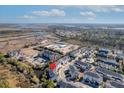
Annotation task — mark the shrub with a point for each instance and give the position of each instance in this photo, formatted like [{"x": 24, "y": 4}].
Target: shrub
[
  {"x": 50, "y": 84},
  {"x": 13, "y": 62},
  {"x": 2, "y": 58},
  {"x": 3, "y": 83}
]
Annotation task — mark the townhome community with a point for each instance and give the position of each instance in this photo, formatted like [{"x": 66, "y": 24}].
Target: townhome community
[{"x": 74, "y": 65}]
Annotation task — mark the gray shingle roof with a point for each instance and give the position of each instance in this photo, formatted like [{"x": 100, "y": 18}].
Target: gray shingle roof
[
  {"x": 109, "y": 62},
  {"x": 108, "y": 72},
  {"x": 117, "y": 84},
  {"x": 81, "y": 63},
  {"x": 114, "y": 84},
  {"x": 95, "y": 75}
]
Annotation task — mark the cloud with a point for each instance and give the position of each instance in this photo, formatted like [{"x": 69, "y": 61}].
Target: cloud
[
  {"x": 97, "y": 8},
  {"x": 88, "y": 14},
  {"x": 116, "y": 9},
  {"x": 105, "y": 8},
  {"x": 53, "y": 12},
  {"x": 28, "y": 16}
]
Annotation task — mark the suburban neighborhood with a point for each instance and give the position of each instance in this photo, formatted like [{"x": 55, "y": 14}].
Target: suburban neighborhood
[{"x": 74, "y": 65}]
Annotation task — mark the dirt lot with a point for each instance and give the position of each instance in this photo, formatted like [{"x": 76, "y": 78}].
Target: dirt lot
[
  {"x": 29, "y": 51},
  {"x": 16, "y": 43}
]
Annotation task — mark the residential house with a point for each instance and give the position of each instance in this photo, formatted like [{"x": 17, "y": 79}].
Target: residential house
[
  {"x": 73, "y": 72},
  {"x": 76, "y": 53},
  {"x": 102, "y": 52},
  {"x": 62, "y": 84},
  {"x": 82, "y": 66},
  {"x": 12, "y": 53},
  {"x": 114, "y": 84},
  {"x": 110, "y": 74},
  {"x": 108, "y": 64},
  {"x": 49, "y": 55},
  {"x": 92, "y": 78},
  {"x": 62, "y": 61}
]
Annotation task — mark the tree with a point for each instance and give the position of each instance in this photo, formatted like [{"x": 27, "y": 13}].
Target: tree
[
  {"x": 2, "y": 58},
  {"x": 13, "y": 62},
  {"x": 3, "y": 82},
  {"x": 1, "y": 55},
  {"x": 50, "y": 84}
]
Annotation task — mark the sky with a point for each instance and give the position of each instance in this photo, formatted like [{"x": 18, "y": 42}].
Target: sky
[{"x": 61, "y": 14}]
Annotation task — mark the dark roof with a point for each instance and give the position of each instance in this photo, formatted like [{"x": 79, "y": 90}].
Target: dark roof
[
  {"x": 108, "y": 72},
  {"x": 109, "y": 62},
  {"x": 72, "y": 68},
  {"x": 95, "y": 75},
  {"x": 65, "y": 58},
  {"x": 81, "y": 63},
  {"x": 49, "y": 55},
  {"x": 103, "y": 50},
  {"x": 117, "y": 84},
  {"x": 65, "y": 85},
  {"x": 101, "y": 54}
]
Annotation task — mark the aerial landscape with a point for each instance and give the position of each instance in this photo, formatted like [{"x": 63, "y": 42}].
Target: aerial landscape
[{"x": 62, "y": 46}]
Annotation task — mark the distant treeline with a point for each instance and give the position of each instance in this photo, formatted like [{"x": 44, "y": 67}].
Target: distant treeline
[{"x": 102, "y": 37}]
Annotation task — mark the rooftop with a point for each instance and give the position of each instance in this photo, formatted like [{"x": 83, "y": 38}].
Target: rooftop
[
  {"x": 65, "y": 85},
  {"x": 81, "y": 63},
  {"x": 62, "y": 47},
  {"x": 95, "y": 75},
  {"x": 115, "y": 84},
  {"x": 109, "y": 62},
  {"x": 108, "y": 72},
  {"x": 103, "y": 50},
  {"x": 72, "y": 68}
]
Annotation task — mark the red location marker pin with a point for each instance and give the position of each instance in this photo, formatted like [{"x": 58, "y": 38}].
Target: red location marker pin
[{"x": 52, "y": 66}]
